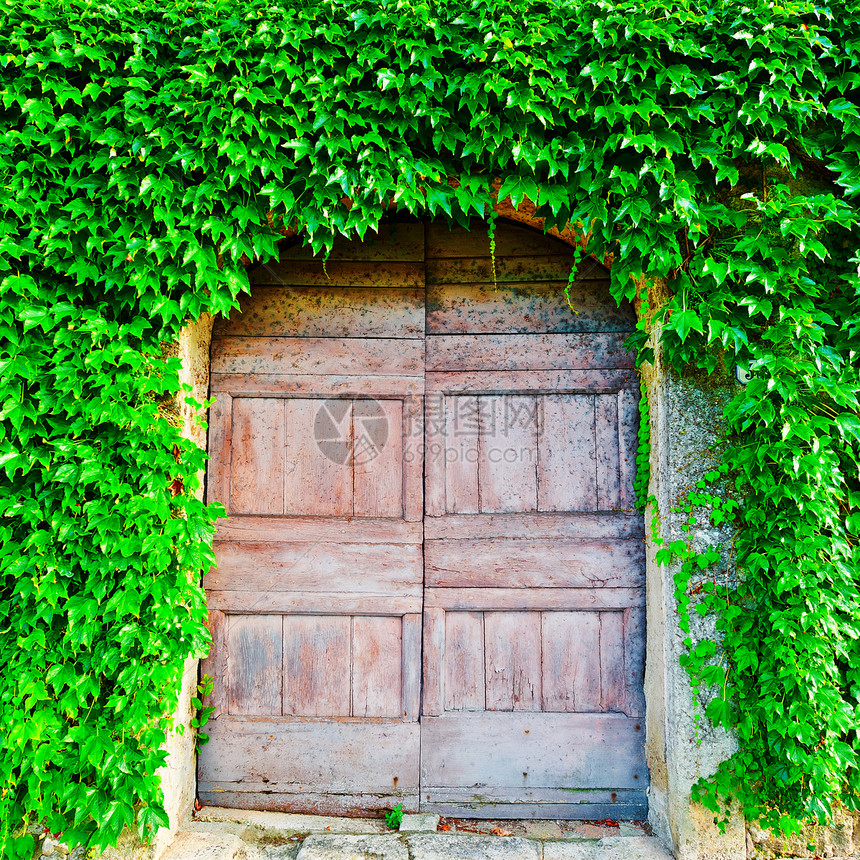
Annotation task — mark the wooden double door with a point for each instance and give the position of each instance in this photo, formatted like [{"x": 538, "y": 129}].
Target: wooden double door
[{"x": 430, "y": 587}]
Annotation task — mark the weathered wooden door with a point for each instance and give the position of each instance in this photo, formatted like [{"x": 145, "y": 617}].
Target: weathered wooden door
[
  {"x": 406, "y": 439},
  {"x": 533, "y": 601},
  {"x": 315, "y": 603}
]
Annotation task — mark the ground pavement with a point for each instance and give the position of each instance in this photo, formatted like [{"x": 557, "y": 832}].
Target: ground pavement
[{"x": 233, "y": 834}]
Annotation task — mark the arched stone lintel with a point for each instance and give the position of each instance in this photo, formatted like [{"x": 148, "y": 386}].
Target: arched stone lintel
[{"x": 525, "y": 214}]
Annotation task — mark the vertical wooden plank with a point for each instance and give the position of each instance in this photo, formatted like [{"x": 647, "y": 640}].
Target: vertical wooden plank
[
  {"x": 254, "y": 664},
  {"x": 628, "y": 425},
  {"x": 413, "y": 458},
  {"x": 218, "y": 469},
  {"x": 317, "y": 665},
  {"x": 462, "y": 428},
  {"x": 257, "y": 444},
  {"x": 634, "y": 661},
  {"x": 606, "y": 437},
  {"x": 214, "y": 663},
  {"x": 435, "y": 406},
  {"x": 557, "y": 688},
  {"x": 411, "y": 667},
  {"x": 568, "y": 473},
  {"x": 571, "y": 661},
  {"x": 378, "y": 457},
  {"x": 508, "y": 453},
  {"x": 319, "y": 457},
  {"x": 557, "y": 630},
  {"x": 585, "y": 674},
  {"x": 612, "y": 674},
  {"x": 434, "y": 662},
  {"x": 376, "y": 666},
  {"x": 464, "y": 661},
  {"x": 512, "y": 648}
]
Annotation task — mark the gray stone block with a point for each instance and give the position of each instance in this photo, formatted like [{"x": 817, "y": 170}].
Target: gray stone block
[
  {"x": 540, "y": 829},
  {"x": 290, "y": 822},
  {"x": 423, "y": 822},
  {"x": 205, "y": 846},
  {"x": 442, "y": 846},
  {"x": 275, "y": 852},
  {"x": 608, "y": 848},
  {"x": 327, "y": 847},
  {"x": 233, "y": 828}
]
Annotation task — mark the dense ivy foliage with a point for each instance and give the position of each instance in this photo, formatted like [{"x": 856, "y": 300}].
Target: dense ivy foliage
[{"x": 147, "y": 147}]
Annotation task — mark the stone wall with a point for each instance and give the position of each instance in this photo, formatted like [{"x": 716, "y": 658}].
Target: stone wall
[
  {"x": 840, "y": 839},
  {"x": 686, "y": 422},
  {"x": 178, "y": 776}
]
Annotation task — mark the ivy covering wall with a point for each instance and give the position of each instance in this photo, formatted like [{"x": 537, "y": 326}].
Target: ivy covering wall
[{"x": 147, "y": 147}]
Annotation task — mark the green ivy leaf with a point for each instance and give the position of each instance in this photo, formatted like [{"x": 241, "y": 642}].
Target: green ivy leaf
[{"x": 683, "y": 322}]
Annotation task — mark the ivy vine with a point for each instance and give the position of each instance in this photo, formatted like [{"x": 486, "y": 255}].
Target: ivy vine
[{"x": 149, "y": 148}]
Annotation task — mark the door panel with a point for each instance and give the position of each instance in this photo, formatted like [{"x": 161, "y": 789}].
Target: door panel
[
  {"x": 319, "y": 468},
  {"x": 568, "y": 453},
  {"x": 377, "y": 474},
  {"x": 534, "y": 304},
  {"x": 324, "y": 312},
  {"x": 534, "y": 569},
  {"x": 512, "y": 659},
  {"x": 317, "y": 356},
  {"x": 574, "y": 653},
  {"x": 317, "y": 663},
  {"x": 507, "y": 453},
  {"x": 332, "y": 766},
  {"x": 255, "y": 668},
  {"x": 463, "y": 665},
  {"x": 492, "y": 352},
  {"x": 316, "y": 599},
  {"x": 535, "y": 562},
  {"x": 294, "y": 272},
  {"x": 508, "y": 765},
  {"x": 321, "y": 615},
  {"x": 312, "y": 457},
  {"x": 257, "y": 462}
]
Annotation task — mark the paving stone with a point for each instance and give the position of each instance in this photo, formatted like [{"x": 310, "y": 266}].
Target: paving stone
[
  {"x": 609, "y": 848},
  {"x": 442, "y": 846},
  {"x": 424, "y": 822},
  {"x": 542, "y": 830},
  {"x": 589, "y": 831},
  {"x": 327, "y": 847},
  {"x": 288, "y": 851},
  {"x": 205, "y": 846},
  {"x": 234, "y": 828},
  {"x": 627, "y": 829},
  {"x": 293, "y": 823}
]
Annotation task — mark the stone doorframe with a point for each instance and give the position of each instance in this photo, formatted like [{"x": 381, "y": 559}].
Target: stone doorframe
[{"x": 685, "y": 421}]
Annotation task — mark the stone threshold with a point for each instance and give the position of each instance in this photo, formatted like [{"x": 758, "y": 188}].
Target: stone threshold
[{"x": 237, "y": 834}]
